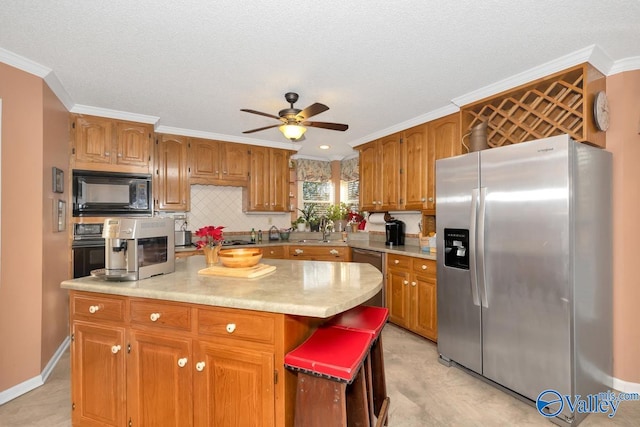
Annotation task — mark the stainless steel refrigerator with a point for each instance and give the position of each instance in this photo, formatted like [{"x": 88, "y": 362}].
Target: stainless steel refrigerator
[{"x": 524, "y": 267}]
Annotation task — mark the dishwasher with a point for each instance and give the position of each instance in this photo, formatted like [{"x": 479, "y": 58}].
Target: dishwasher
[{"x": 374, "y": 258}]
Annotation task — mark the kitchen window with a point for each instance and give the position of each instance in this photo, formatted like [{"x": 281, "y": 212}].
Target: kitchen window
[{"x": 317, "y": 193}]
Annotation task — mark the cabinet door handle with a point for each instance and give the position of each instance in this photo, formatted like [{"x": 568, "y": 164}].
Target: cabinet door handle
[
  {"x": 423, "y": 200},
  {"x": 424, "y": 266},
  {"x": 413, "y": 283},
  {"x": 405, "y": 282},
  {"x": 106, "y": 153},
  {"x": 182, "y": 362},
  {"x": 154, "y": 317},
  {"x": 119, "y": 154},
  {"x": 334, "y": 252},
  {"x": 231, "y": 327},
  {"x": 93, "y": 308},
  {"x": 395, "y": 261},
  {"x": 115, "y": 349},
  {"x": 431, "y": 199},
  {"x": 200, "y": 366},
  {"x": 224, "y": 172}
]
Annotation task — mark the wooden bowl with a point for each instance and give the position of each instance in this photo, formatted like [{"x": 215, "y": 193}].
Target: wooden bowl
[{"x": 240, "y": 257}]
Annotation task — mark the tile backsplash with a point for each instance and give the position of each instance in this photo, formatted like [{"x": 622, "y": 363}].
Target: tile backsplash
[{"x": 217, "y": 205}]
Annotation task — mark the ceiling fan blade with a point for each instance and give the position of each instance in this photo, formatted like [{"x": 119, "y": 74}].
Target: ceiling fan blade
[
  {"x": 260, "y": 113},
  {"x": 259, "y": 129},
  {"x": 311, "y": 110},
  {"x": 325, "y": 125}
]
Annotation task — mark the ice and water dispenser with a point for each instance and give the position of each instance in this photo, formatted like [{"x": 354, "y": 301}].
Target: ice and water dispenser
[{"x": 456, "y": 248}]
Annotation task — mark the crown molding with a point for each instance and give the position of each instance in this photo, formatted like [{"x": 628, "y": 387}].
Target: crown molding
[
  {"x": 627, "y": 64},
  {"x": 114, "y": 114},
  {"x": 432, "y": 115},
  {"x": 58, "y": 89},
  {"x": 592, "y": 54},
  {"x": 227, "y": 138},
  {"x": 24, "y": 64}
]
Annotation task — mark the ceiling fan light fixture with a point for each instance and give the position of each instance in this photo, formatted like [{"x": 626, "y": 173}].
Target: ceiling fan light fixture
[{"x": 292, "y": 132}]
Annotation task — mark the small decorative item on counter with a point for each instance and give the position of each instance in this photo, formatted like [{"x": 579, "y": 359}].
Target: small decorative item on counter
[
  {"x": 284, "y": 234},
  {"x": 253, "y": 235},
  {"x": 355, "y": 220},
  {"x": 210, "y": 242},
  {"x": 259, "y": 236}
]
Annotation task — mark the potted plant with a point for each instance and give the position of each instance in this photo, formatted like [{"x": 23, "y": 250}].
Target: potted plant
[
  {"x": 308, "y": 214},
  {"x": 299, "y": 224},
  {"x": 338, "y": 214}
]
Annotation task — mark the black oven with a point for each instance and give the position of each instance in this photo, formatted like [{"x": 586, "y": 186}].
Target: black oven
[
  {"x": 111, "y": 194},
  {"x": 87, "y": 248}
]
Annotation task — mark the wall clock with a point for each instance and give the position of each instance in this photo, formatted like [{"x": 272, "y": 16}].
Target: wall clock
[{"x": 601, "y": 111}]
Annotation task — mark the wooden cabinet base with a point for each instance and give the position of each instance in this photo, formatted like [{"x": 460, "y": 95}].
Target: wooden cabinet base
[{"x": 167, "y": 363}]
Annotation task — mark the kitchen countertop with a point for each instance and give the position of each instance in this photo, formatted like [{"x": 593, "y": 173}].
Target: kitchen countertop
[
  {"x": 407, "y": 250},
  {"x": 305, "y": 288}
]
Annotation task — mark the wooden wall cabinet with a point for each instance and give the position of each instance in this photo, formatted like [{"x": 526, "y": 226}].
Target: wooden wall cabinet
[
  {"x": 218, "y": 163},
  {"x": 171, "y": 177},
  {"x": 268, "y": 188},
  {"x": 146, "y": 362},
  {"x": 412, "y": 294},
  {"x": 380, "y": 170},
  {"x": 398, "y": 172},
  {"x": 110, "y": 145}
]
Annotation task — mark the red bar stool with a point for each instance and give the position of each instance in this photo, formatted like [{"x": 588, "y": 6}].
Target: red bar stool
[
  {"x": 331, "y": 388},
  {"x": 370, "y": 319}
]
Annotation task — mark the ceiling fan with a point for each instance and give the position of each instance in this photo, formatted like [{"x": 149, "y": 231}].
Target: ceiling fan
[{"x": 294, "y": 120}]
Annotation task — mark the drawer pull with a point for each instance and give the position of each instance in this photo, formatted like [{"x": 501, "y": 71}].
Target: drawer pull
[
  {"x": 405, "y": 282},
  {"x": 182, "y": 362},
  {"x": 154, "y": 317},
  {"x": 299, "y": 251},
  {"x": 424, "y": 267},
  {"x": 93, "y": 308},
  {"x": 413, "y": 283},
  {"x": 231, "y": 327},
  {"x": 200, "y": 366},
  {"x": 115, "y": 349},
  {"x": 396, "y": 261},
  {"x": 334, "y": 252}
]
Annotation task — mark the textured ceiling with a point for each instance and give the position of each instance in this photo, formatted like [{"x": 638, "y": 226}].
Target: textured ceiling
[{"x": 378, "y": 65}]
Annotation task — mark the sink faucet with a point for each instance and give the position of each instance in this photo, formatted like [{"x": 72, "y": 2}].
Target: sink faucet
[{"x": 325, "y": 227}]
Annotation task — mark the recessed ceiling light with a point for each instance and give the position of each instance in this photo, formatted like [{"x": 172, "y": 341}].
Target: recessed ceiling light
[{"x": 325, "y": 147}]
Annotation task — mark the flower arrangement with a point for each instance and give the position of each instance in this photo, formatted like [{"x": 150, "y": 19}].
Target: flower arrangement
[
  {"x": 354, "y": 217},
  {"x": 210, "y": 236}
]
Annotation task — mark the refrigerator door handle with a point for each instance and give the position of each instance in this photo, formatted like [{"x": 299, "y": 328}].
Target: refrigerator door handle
[
  {"x": 472, "y": 247},
  {"x": 482, "y": 285}
]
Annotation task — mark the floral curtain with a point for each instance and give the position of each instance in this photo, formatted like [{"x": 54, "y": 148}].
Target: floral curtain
[
  {"x": 349, "y": 170},
  {"x": 313, "y": 170}
]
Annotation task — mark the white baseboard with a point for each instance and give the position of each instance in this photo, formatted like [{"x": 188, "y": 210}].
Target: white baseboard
[
  {"x": 626, "y": 386},
  {"x": 37, "y": 381}
]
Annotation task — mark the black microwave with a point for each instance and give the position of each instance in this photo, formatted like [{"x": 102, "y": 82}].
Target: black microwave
[{"x": 111, "y": 194}]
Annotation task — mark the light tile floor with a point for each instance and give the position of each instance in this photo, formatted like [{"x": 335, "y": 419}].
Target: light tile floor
[{"x": 423, "y": 393}]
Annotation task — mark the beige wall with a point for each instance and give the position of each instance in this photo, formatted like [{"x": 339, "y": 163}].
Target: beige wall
[
  {"x": 56, "y": 254},
  {"x": 623, "y": 140},
  {"x": 30, "y": 306}
]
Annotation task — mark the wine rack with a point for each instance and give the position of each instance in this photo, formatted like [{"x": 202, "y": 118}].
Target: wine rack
[{"x": 557, "y": 104}]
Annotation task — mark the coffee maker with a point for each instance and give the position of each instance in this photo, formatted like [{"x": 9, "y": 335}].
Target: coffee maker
[
  {"x": 137, "y": 248},
  {"x": 394, "y": 232}
]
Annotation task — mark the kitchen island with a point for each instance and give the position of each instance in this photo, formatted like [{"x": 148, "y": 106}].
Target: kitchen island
[{"x": 187, "y": 349}]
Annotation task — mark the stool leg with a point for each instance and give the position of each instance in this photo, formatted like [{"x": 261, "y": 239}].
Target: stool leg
[
  {"x": 357, "y": 402},
  {"x": 320, "y": 402},
  {"x": 379, "y": 381},
  {"x": 369, "y": 382}
]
